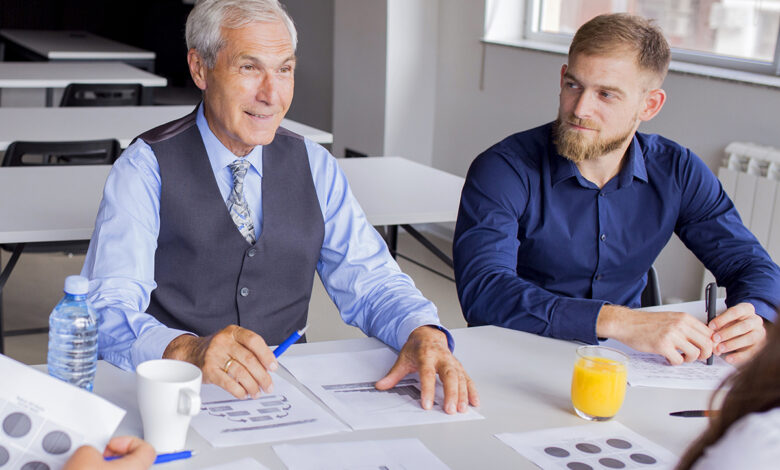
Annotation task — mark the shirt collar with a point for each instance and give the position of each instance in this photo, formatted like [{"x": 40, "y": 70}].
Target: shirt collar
[
  {"x": 561, "y": 168},
  {"x": 219, "y": 156}
]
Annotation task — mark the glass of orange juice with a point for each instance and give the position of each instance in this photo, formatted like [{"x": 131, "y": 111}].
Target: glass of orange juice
[{"x": 598, "y": 384}]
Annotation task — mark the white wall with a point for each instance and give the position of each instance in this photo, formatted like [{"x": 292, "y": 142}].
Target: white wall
[
  {"x": 521, "y": 91},
  {"x": 410, "y": 94}
]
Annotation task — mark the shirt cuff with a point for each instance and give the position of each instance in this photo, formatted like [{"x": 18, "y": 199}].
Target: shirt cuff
[
  {"x": 152, "y": 342},
  {"x": 763, "y": 309},
  {"x": 414, "y": 321},
  {"x": 575, "y": 319}
]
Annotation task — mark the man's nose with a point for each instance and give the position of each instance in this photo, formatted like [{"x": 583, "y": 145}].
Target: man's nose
[
  {"x": 265, "y": 88},
  {"x": 584, "y": 105}
]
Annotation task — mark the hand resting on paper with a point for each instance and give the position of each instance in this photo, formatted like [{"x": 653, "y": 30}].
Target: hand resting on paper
[
  {"x": 137, "y": 455},
  {"x": 235, "y": 358},
  {"x": 677, "y": 336},
  {"x": 739, "y": 333},
  {"x": 426, "y": 352}
]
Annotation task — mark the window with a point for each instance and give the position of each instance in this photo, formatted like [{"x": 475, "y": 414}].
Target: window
[{"x": 736, "y": 34}]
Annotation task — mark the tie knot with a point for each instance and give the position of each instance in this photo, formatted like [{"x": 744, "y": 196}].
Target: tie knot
[{"x": 239, "y": 167}]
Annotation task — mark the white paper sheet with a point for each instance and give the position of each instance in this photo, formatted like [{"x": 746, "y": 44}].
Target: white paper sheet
[
  {"x": 243, "y": 464},
  {"x": 43, "y": 419},
  {"x": 345, "y": 382},
  {"x": 286, "y": 414},
  {"x": 653, "y": 370},
  {"x": 594, "y": 445},
  {"x": 396, "y": 454}
]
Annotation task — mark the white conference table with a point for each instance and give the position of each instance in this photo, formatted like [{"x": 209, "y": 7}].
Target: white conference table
[
  {"x": 75, "y": 45},
  {"x": 123, "y": 123},
  {"x": 523, "y": 382},
  {"x": 50, "y": 75}
]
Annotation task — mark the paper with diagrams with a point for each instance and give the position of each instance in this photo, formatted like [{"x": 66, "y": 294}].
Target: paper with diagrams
[
  {"x": 285, "y": 414},
  {"x": 345, "y": 382}
]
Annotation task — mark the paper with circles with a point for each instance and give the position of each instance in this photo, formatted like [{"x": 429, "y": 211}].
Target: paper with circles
[
  {"x": 589, "y": 447},
  {"x": 44, "y": 420}
]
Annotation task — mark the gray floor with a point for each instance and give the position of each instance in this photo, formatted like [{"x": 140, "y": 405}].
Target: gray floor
[{"x": 36, "y": 286}]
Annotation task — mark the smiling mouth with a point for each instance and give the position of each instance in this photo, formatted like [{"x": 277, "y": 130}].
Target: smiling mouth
[
  {"x": 578, "y": 127},
  {"x": 259, "y": 116}
]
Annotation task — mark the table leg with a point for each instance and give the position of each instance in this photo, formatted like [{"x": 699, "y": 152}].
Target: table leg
[
  {"x": 3, "y": 278},
  {"x": 392, "y": 239},
  {"x": 427, "y": 244},
  {"x": 49, "y": 97}
]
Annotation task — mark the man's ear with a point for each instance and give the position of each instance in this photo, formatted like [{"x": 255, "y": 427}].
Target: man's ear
[
  {"x": 652, "y": 104},
  {"x": 198, "y": 68},
  {"x": 564, "y": 67}
]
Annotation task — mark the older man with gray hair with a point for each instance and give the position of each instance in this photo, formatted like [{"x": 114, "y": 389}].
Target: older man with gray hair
[{"x": 212, "y": 226}]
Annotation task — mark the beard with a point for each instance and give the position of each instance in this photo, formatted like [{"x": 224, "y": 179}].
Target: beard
[{"x": 574, "y": 146}]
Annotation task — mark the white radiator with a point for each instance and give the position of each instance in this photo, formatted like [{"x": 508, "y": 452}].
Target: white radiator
[{"x": 750, "y": 175}]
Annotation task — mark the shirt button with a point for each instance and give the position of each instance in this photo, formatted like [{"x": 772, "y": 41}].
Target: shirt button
[
  {"x": 602, "y": 194},
  {"x": 598, "y": 277},
  {"x": 603, "y": 236},
  {"x": 251, "y": 252},
  {"x": 244, "y": 291}
]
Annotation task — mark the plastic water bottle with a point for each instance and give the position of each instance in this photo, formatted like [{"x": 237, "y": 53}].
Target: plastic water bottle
[{"x": 73, "y": 336}]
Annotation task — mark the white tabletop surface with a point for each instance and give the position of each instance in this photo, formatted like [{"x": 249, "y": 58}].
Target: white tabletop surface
[
  {"x": 123, "y": 123},
  {"x": 66, "y": 44},
  {"x": 62, "y": 74},
  {"x": 394, "y": 190},
  {"x": 60, "y": 203},
  {"x": 523, "y": 381}
]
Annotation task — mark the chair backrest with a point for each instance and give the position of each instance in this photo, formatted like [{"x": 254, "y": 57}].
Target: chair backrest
[
  {"x": 101, "y": 94},
  {"x": 85, "y": 152},
  {"x": 651, "y": 296}
]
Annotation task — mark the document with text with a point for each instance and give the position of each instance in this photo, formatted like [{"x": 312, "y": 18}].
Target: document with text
[
  {"x": 345, "y": 382},
  {"x": 225, "y": 420}
]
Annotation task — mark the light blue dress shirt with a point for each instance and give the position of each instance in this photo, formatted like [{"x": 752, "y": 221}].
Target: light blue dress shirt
[{"x": 355, "y": 266}]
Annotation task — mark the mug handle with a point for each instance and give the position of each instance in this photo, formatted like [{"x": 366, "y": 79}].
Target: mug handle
[{"x": 189, "y": 402}]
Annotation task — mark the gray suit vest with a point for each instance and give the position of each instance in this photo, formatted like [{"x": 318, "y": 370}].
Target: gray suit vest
[{"x": 207, "y": 275}]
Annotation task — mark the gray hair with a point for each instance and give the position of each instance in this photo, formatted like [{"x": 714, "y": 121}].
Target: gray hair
[{"x": 206, "y": 20}]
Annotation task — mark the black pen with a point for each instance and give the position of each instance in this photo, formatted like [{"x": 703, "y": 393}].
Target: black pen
[
  {"x": 694, "y": 413},
  {"x": 710, "y": 305}
]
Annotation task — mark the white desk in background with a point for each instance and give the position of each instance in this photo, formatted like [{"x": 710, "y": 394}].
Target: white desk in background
[
  {"x": 123, "y": 123},
  {"x": 524, "y": 383},
  {"x": 50, "y": 75},
  {"x": 74, "y": 45},
  {"x": 395, "y": 191}
]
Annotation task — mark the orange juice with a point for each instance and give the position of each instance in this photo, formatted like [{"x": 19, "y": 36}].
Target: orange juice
[{"x": 598, "y": 386}]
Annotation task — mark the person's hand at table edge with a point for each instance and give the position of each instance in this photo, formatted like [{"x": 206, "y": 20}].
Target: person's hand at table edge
[
  {"x": 136, "y": 455},
  {"x": 739, "y": 333},
  {"x": 426, "y": 352},
  {"x": 234, "y": 358}
]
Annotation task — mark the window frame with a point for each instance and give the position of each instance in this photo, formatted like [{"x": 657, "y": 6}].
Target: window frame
[{"x": 532, "y": 15}]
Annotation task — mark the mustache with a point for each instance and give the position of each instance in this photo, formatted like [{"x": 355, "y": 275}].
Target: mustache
[{"x": 571, "y": 119}]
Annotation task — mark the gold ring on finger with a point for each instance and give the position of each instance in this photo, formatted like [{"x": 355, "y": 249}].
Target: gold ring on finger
[{"x": 227, "y": 365}]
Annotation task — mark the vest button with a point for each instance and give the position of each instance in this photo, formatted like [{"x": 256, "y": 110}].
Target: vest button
[
  {"x": 251, "y": 252},
  {"x": 244, "y": 291}
]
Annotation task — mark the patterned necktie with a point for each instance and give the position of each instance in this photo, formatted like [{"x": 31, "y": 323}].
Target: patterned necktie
[{"x": 239, "y": 210}]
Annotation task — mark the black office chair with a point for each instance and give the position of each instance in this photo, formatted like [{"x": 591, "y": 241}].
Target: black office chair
[
  {"x": 94, "y": 152},
  {"x": 101, "y": 94},
  {"x": 651, "y": 296}
]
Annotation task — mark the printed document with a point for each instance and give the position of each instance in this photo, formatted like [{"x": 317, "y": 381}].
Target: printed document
[
  {"x": 225, "y": 420},
  {"x": 43, "y": 420},
  {"x": 345, "y": 382}
]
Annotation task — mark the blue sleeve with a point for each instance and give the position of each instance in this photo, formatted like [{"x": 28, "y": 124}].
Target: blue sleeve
[
  {"x": 711, "y": 228},
  {"x": 120, "y": 261},
  {"x": 485, "y": 249},
  {"x": 356, "y": 268}
]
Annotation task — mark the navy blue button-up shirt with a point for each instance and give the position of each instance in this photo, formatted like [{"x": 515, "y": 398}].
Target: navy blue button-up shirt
[{"x": 541, "y": 249}]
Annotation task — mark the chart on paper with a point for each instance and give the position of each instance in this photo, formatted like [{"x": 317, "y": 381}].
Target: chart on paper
[
  {"x": 286, "y": 414},
  {"x": 345, "y": 382}
]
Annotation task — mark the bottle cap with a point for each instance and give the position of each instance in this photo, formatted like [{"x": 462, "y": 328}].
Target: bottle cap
[{"x": 76, "y": 285}]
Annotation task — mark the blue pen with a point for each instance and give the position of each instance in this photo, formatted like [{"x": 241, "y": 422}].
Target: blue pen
[
  {"x": 162, "y": 458},
  {"x": 289, "y": 341}
]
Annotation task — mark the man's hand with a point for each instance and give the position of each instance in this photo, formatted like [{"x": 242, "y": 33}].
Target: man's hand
[
  {"x": 136, "y": 455},
  {"x": 739, "y": 331},
  {"x": 234, "y": 358},
  {"x": 677, "y": 336},
  {"x": 426, "y": 352}
]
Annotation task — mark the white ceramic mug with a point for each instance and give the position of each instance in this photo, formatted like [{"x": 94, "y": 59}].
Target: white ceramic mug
[{"x": 168, "y": 397}]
